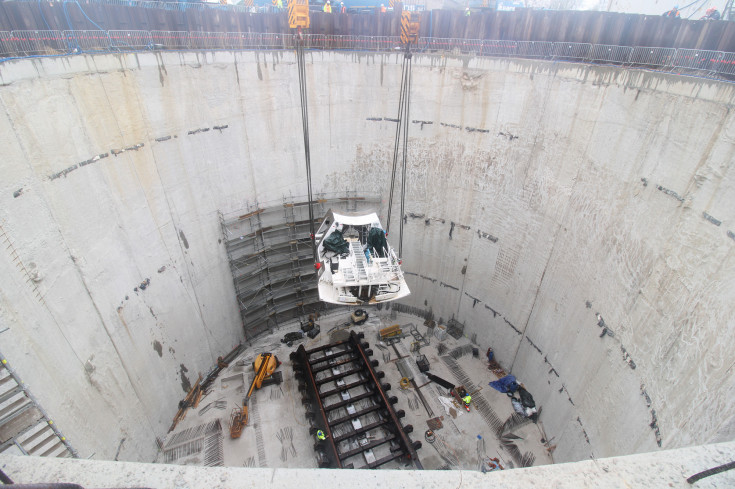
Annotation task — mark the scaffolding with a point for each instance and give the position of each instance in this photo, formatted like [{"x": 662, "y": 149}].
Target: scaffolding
[{"x": 269, "y": 250}]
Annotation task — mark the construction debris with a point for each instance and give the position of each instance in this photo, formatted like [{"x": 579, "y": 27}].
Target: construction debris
[
  {"x": 461, "y": 351},
  {"x": 435, "y": 423},
  {"x": 491, "y": 464},
  {"x": 220, "y": 403},
  {"x": 391, "y": 332},
  {"x": 222, "y": 363},
  {"x": 191, "y": 400},
  {"x": 285, "y": 436},
  {"x": 205, "y": 438},
  {"x": 290, "y": 338},
  {"x": 356, "y": 420},
  {"x": 359, "y": 317},
  {"x": 455, "y": 329}
]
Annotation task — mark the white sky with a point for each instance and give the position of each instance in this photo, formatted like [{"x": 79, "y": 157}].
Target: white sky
[
  {"x": 648, "y": 7},
  {"x": 653, "y": 7}
]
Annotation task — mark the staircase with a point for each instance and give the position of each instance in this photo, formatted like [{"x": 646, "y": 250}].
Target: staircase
[
  {"x": 728, "y": 13},
  {"x": 24, "y": 426},
  {"x": 360, "y": 260}
]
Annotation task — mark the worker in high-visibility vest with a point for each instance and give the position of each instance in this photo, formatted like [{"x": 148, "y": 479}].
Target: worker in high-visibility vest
[
  {"x": 467, "y": 399},
  {"x": 674, "y": 13},
  {"x": 327, "y": 8},
  {"x": 320, "y": 435}
]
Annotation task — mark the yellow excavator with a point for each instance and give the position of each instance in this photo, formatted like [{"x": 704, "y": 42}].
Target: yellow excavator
[{"x": 264, "y": 366}]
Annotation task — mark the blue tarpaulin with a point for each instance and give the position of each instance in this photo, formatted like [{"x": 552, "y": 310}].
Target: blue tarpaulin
[{"x": 506, "y": 384}]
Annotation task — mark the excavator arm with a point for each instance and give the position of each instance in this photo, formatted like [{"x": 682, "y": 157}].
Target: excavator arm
[{"x": 263, "y": 366}]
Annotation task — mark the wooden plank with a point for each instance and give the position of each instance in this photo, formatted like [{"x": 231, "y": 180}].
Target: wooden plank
[{"x": 19, "y": 424}]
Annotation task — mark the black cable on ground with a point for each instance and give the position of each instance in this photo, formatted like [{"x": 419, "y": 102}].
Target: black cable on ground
[{"x": 709, "y": 472}]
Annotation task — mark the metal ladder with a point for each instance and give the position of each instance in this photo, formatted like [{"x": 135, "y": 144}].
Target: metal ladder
[{"x": 360, "y": 260}]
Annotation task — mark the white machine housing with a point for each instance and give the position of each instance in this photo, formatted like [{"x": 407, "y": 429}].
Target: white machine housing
[{"x": 360, "y": 275}]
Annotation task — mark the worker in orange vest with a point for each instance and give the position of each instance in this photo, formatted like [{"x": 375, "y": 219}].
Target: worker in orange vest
[
  {"x": 673, "y": 13},
  {"x": 327, "y": 8},
  {"x": 711, "y": 14},
  {"x": 382, "y": 8}
]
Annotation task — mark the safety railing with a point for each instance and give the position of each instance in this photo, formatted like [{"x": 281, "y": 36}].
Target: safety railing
[
  {"x": 164, "y": 5},
  {"x": 534, "y": 49},
  {"x": 610, "y": 53},
  {"x": 571, "y": 50},
  {"x": 133, "y": 40},
  {"x": 19, "y": 44},
  {"x": 652, "y": 56},
  {"x": 199, "y": 6}
]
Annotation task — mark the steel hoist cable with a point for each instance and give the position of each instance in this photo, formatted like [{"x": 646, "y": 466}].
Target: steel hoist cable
[
  {"x": 404, "y": 103},
  {"x": 407, "y": 101},
  {"x": 305, "y": 123},
  {"x": 396, "y": 145}
]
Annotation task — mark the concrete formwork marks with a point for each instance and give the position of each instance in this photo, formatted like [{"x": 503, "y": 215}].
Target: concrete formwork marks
[{"x": 538, "y": 165}]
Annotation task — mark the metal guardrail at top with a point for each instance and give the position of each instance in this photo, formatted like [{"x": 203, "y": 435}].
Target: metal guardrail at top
[
  {"x": 20, "y": 44},
  {"x": 200, "y": 6},
  {"x": 163, "y": 4}
]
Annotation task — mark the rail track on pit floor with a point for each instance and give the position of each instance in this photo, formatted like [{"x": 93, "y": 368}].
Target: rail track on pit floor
[{"x": 344, "y": 397}]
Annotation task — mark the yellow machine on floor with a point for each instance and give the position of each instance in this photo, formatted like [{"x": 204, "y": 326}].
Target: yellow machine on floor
[
  {"x": 390, "y": 332},
  {"x": 264, "y": 366}
]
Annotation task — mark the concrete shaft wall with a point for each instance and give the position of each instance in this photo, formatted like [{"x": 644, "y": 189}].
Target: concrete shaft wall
[{"x": 539, "y": 195}]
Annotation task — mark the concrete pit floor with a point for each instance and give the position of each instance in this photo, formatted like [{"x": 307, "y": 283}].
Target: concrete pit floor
[{"x": 462, "y": 442}]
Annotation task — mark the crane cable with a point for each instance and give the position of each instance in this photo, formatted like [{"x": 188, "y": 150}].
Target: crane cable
[
  {"x": 701, "y": 3},
  {"x": 407, "y": 100},
  {"x": 396, "y": 145},
  {"x": 305, "y": 123},
  {"x": 401, "y": 126}
]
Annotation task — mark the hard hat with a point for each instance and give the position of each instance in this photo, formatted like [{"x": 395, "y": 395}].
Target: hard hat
[{"x": 710, "y": 10}]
